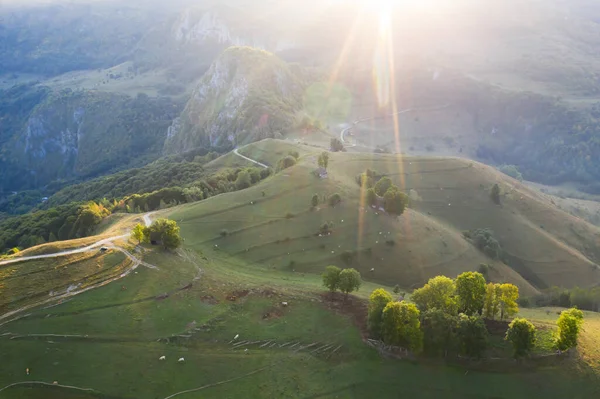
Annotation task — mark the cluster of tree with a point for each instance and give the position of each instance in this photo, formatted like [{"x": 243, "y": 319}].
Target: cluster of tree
[
  {"x": 345, "y": 280},
  {"x": 164, "y": 231},
  {"x": 305, "y": 122},
  {"x": 446, "y": 316},
  {"x": 227, "y": 180},
  {"x": 582, "y": 298},
  {"x": 60, "y": 223},
  {"x": 485, "y": 241},
  {"x": 368, "y": 178},
  {"x": 20, "y": 203},
  {"x": 384, "y": 192},
  {"x": 75, "y": 220},
  {"x": 182, "y": 170}
]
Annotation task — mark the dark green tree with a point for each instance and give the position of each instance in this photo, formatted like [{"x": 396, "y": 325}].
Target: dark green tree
[
  {"x": 167, "y": 231},
  {"x": 331, "y": 278},
  {"x": 439, "y": 332},
  {"x": 495, "y": 193},
  {"x": 472, "y": 336},
  {"x": 382, "y": 186},
  {"x": 314, "y": 201},
  {"x": 350, "y": 280}
]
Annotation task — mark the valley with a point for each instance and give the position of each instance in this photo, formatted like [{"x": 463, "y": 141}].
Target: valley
[{"x": 283, "y": 199}]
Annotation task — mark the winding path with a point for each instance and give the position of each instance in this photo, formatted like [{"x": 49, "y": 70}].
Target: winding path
[
  {"x": 108, "y": 242},
  {"x": 249, "y": 159}
]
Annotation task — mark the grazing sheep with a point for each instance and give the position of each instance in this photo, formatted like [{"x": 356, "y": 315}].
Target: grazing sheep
[
  {"x": 162, "y": 358},
  {"x": 236, "y": 336},
  {"x": 55, "y": 382},
  {"x": 284, "y": 303},
  {"x": 181, "y": 359},
  {"x": 372, "y": 269}
]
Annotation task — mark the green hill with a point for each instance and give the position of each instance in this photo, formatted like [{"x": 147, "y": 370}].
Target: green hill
[{"x": 542, "y": 245}]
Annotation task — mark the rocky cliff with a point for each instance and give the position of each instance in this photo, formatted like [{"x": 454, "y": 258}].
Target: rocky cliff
[
  {"x": 79, "y": 134},
  {"x": 247, "y": 94}
]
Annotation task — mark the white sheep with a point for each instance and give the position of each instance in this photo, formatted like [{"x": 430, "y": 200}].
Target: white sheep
[
  {"x": 181, "y": 359},
  {"x": 372, "y": 269},
  {"x": 162, "y": 358},
  {"x": 236, "y": 336}
]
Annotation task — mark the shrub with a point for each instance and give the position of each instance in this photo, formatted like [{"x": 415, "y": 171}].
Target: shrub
[
  {"x": 390, "y": 243},
  {"x": 224, "y": 233},
  {"x": 521, "y": 334},
  {"x": 314, "y": 201},
  {"x": 495, "y": 194},
  {"x": 335, "y": 199},
  {"x": 336, "y": 145},
  {"x": 569, "y": 324},
  {"x": 295, "y": 154},
  {"x": 485, "y": 241},
  {"x": 382, "y": 186},
  {"x": 286, "y": 162},
  {"x": 289, "y": 215},
  {"x": 347, "y": 257},
  {"x": 395, "y": 201}
]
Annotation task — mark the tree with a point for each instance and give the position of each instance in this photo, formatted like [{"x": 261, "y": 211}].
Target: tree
[
  {"x": 438, "y": 293},
  {"x": 335, "y": 199},
  {"x": 331, "y": 278},
  {"x": 336, "y": 145},
  {"x": 286, "y": 162},
  {"x": 395, "y": 201},
  {"x": 295, "y": 154},
  {"x": 378, "y": 300},
  {"x": 495, "y": 193},
  {"x": 382, "y": 186},
  {"x": 138, "y": 233},
  {"x": 324, "y": 159},
  {"x": 396, "y": 289},
  {"x": 569, "y": 324},
  {"x": 350, "y": 280},
  {"x": 470, "y": 288},
  {"x": 243, "y": 180},
  {"x": 439, "y": 331},
  {"x": 314, "y": 201},
  {"x": 509, "y": 294},
  {"x": 491, "y": 305},
  {"x": 371, "y": 197},
  {"x": 168, "y": 232},
  {"x": 401, "y": 325},
  {"x": 521, "y": 334},
  {"x": 472, "y": 335}
]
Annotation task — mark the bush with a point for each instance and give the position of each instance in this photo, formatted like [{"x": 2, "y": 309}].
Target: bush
[
  {"x": 336, "y": 145},
  {"x": 390, "y": 243},
  {"x": 382, "y": 186},
  {"x": 347, "y": 257},
  {"x": 395, "y": 201},
  {"x": 314, "y": 201},
  {"x": 289, "y": 215},
  {"x": 521, "y": 334},
  {"x": 335, "y": 199},
  {"x": 224, "y": 233},
  {"x": 295, "y": 154},
  {"x": 569, "y": 324},
  {"x": 485, "y": 241},
  {"x": 495, "y": 194},
  {"x": 286, "y": 162}
]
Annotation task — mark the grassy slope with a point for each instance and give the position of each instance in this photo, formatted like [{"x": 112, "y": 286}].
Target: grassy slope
[
  {"x": 121, "y": 322},
  {"x": 545, "y": 245}
]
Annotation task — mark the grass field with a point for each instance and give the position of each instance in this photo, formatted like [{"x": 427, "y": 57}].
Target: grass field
[{"x": 109, "y": 340}]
